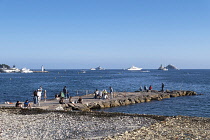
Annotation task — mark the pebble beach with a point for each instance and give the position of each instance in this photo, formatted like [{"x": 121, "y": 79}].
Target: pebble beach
[
  {"x": 62, "y": 125},
  {"x": 24, "y": 124}
]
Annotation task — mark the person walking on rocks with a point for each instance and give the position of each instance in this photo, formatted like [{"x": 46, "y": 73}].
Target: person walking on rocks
[
  {"x": 163, "y": 87},
  {"x": 111, "y": 92}
]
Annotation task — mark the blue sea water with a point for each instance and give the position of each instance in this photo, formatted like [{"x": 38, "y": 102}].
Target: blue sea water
[{"x": 20, "y": 86}]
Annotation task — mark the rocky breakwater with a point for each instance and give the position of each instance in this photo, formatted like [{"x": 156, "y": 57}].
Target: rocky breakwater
[{"x": 127, "y": 98}]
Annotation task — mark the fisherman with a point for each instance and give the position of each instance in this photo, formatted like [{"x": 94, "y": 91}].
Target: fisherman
[
  {"x": 111, "y": 92},
  {"x": 163, "y": 87}
]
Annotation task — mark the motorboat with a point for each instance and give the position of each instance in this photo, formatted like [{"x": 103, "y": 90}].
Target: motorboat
[
  {"x": 4, "y": 70},
  {"x": 25, "y": 70},
  {"x": 83, "y": 71},
  {"x": 10, "y": 70},
  {"x": 99, "y": 68},
  {"x": 92, "y": 69},
  {"x": 134, "y": 68}
]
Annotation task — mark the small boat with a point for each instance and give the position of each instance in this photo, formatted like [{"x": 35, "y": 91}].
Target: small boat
[
  {"x": 134, "y": 68},
  {"x": 25, "y": 70},
  {"x": 99, "y": 68},
  {"x": 92, "y": 69},
  {"x": 83, "y": 71}
]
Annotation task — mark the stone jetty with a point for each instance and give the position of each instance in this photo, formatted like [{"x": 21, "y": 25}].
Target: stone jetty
[
  {"x": 120, "y": 99},
  {"x": 127, "y": 98}
]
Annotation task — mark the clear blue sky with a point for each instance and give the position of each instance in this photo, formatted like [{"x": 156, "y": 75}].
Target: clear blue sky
[{"x": 71, "y": 34}]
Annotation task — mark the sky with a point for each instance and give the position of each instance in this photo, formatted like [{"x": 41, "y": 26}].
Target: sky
[{"x": 113, "y": 34}]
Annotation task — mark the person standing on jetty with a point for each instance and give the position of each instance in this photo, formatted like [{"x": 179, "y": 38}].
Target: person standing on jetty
[
  {"x": 111, "y": 92},
  {"x": 35, "y": 97},
  {"x": 39, "y": 94},
  {"x": 65, "y": 92},
  {"x": 140, "y": 89},
  {"x": 145, "y": 88},
  {"x": 96, "y": 92},
  {"x": 163, "y": 87}
]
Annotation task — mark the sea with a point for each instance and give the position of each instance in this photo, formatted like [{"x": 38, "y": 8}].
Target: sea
[{"x": 20, "y": 86}]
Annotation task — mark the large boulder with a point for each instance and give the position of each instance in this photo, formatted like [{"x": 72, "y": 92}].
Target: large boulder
[
  {"x": 127, "y": 102},
  {"x": 81, "y": 107},
  {"x": 132, "y": 101},
  {"x": 141, "y": 99},
  {"x": 106, "y": 104},
  {"x": 189, "y": 93},
  {"x": 93, "y": 105},
  {"x": 165, "y": 95},
  {"x": 114, "y": 103},
  {"x": 100, "y": 104},
  {"x": 136, "y": 99}
]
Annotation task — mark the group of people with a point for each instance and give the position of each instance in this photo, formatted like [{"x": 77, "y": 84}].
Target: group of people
[
  {"x": 150, "y": 88},
  {"x": 61, "y": 101},
  {"x": 100, "y": 94},
  {"x": 26, "y": 104},
  {"x": 64, "y": 94},
  {"x": 145, "y": 88},
  {"x": 103, "y": 94},
  {"x": 38, "y": 95}
]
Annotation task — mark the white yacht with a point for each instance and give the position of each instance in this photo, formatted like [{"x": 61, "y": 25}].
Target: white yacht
[
  {"x": 162, "y": 68},
  {"x": 99, "y": 68},
  {"x": 10, "y": 70},
  {"x": 4, "y": 70},
  {"x": 165, "y": 69},
  {"x": 134, "y": 68},
  {"x": 25, "y": 70},
  {"x": 92, "y": 69}
]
